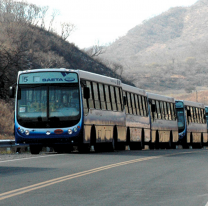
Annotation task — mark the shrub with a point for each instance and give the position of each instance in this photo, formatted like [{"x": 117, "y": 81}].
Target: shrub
[{"x": 6, "y": 118}]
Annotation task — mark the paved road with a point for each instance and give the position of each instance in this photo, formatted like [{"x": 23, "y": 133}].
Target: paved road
[{"x": 149, "y": 178}]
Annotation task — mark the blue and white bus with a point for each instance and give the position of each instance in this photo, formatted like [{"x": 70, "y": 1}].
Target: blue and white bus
[
  {"x": 62, "y": 108},
  {"x": 192, "y": 127}
]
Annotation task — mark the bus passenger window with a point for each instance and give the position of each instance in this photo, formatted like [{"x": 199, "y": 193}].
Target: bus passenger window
[
  {"x": 96, "y": 96},
  {"x": 90, "y": 100},
  {"x": 153, "y": 109},
  {"x": 162, "y": 110},
  {"x": 169, "y": 112},
  {"x": 118, "y": 98},
  {"x": 129, "y": 102},
  {"x": 107, "y": 97},
  {"x": 137, "y": 104},
  {"x": 144, "y": 106},
  {"x": 197, "y": 115},
  {"x": 133, "y": 103},
  {"x": 112, "y": 92},
  {"x": 102, "y": 97},
  {"x": 126, "y": 106},
  {"x": 140, "y": 106},
  {"x": 158, "y": 109},
  {"x": 165, "y": 111},
  {"x": 203, "y": 116}
]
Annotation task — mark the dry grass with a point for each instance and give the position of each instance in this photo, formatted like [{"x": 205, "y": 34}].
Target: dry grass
[{"x": 6, "y": 120}]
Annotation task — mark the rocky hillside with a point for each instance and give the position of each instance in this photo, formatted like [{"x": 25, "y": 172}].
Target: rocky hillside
[{"x": 168, "y": 52}]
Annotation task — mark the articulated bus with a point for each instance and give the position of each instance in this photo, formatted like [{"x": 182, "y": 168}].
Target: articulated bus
[
  {"x": 192, "y": 126},
  {"x": 66, "y": 109},
  {"x": 62, "y": 108},
  {"x": 163, "y": 122},
  {"x": 137, "y": 117}
]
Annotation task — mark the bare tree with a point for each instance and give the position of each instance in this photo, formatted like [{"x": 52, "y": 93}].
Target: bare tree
[
  {"x": 66, "y": 30},
  {"x": 54, "y": 14},
  {"x": 96, "y": 50}
]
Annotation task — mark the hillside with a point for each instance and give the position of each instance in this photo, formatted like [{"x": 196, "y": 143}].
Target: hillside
[
  {"x": 27, "y": 44},
  {"x": 167, "y": 52}
]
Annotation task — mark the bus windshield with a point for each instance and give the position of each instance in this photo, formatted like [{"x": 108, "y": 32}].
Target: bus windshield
[
  {"x": 48, "y": 106},
  {"x": 181, "y": 120}
]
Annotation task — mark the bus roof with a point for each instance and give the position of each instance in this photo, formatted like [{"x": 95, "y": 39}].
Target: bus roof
[
  {"x": 192, "y": 104},
  {"x": 98, "y": 78},
  {"x": 160, "y": 97},
  {"x": 132, "y": 89}
]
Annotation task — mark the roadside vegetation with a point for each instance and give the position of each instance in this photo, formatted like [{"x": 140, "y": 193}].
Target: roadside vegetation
[{"x": 7, "y": 120}]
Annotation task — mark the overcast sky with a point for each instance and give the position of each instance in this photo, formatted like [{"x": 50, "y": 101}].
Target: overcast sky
[{"x": 104, "y": 21}]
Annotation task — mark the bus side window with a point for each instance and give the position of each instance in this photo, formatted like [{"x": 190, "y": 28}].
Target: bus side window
[
  {"x": 118, "y": 99},
  {"x": 126, "y": 106},
  {"x": 168, "y": 109},
  {"x": 191, "y": 115},
  {"x": 107, "y": 97},
  {"x": 140, "y": 106},
  {"x": 137, "y": 104},
  {"x": 90, "y": 100},
  {"x": 129, "y": 102},
  {"x": 96, "y": 95},
  {"x": 102, "y": 97},
  {"x": 133, "y": 104},
  {"x": 153, "y": 112},
  {"x": 144, "y": 106},
  {"x": 158, "y": 109},
  {"x": 197, "y": 116},
  {"x": 113, "y": 101},
  {"x": 162, "y": 110},
  {"x": 165, "y": 111},
  {"x": 203, "y": 116}
]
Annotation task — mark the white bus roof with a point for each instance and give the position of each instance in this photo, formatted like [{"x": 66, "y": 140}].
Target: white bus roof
[
  {"x": 132, "y": 89},
  {"x": 98, "y": 78},
  {"x": 192, "y": 104},
  {"x": 160, "y": 97}
]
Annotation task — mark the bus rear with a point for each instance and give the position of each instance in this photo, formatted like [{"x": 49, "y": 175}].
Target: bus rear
[{"x": 48, "y": 109}]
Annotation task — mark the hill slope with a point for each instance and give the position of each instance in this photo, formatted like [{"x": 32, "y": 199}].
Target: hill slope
[
  {"x": 166, "y": 52},
  {"x": 25, "y": 45}
]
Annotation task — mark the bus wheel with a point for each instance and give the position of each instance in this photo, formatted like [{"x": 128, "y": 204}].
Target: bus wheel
[
  {"x": 114, "y": 144},
  {"x": 35, "y": 149},
  {"x": 135, "y": 146},
  {"x": 84, "y": 148},
  {"x": 157, "y": 145},
  {"x": 151, "y": 146}
]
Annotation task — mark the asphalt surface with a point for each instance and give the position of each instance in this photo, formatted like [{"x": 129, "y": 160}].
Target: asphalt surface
[{"x": 150, "y": 178}]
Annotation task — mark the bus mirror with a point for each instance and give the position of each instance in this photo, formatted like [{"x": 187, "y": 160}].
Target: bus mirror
[
  {"x": 188, "y": 113},
  {"x": 86, "y": 92},
  {"x": 124, "y": 100},
  {"x": 11, "y": 92},
  {"x": 153, "y": 107}
]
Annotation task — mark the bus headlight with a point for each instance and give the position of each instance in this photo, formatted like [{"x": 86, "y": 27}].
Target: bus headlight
[
  {"x": 27, "y": 132},
  {"x": 22, "y": 131},
  {"x": 75, "y": 129},
  {"x": 69, "y": 131}
]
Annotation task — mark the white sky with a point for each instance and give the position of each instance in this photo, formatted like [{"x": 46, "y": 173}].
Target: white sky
[{"x": 104, "y": 21}]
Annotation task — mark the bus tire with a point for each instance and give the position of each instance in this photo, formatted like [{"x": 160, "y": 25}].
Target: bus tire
[
  {"x": 35, "y": 149},
  {"x": 157, "y": 143}
]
